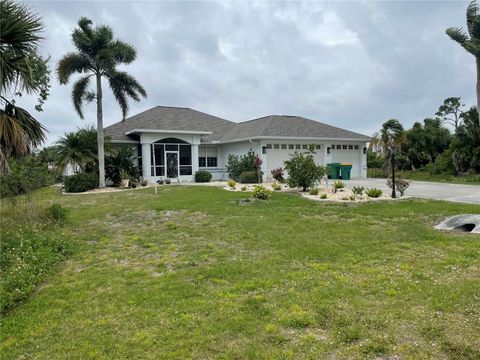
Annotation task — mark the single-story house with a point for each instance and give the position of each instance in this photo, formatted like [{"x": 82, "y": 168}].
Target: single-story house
[{"x": 176, "y": 142}]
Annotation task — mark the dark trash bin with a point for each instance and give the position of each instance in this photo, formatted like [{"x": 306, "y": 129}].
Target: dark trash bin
[{"x": 345, "y": 171}]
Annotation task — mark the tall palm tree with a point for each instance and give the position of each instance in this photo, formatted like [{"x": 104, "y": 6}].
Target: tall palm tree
[
  {"x": 391, "y": 138},
  {"x": 97, "y": 55},
  {"x": 21, "y": 69},
  {"x": 470, "y": 41}
]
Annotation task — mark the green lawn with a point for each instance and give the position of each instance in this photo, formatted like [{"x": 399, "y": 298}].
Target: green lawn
[
  {"x": 191, "y": 273},
  {"x": 419, "y": 175}
]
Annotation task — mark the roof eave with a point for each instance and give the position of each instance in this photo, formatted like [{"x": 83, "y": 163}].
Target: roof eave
[
  {"x": 367, "y": 139},
  {"x": 156, "y": 131}
]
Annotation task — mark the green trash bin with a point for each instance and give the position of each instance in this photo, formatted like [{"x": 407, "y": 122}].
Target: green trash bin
[
  {"x": 333, "y": 170},
  {"x": 345, "y": 171}
]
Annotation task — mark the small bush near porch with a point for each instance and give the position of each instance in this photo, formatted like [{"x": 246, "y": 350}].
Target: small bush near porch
[{"x": 194, "y": 272}]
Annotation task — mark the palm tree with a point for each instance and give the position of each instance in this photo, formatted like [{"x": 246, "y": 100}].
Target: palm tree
[
  {"x": 98, "y": 55},
  {"x": 21, "y": 69},
  {"x": 470, "y": 41},
  {"x": 77, "y": 149},
  {"x": 391, "y": 138}
]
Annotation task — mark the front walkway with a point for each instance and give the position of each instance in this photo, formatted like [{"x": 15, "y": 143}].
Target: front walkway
[{"x": 428, "y": 190}]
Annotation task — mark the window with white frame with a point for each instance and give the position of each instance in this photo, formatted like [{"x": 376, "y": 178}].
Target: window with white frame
[{"x": 207, "y": 156}]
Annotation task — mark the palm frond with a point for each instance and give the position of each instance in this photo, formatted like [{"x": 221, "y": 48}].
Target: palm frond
[
  {"x": 457, "y": 34},
  {"x": 71, "y": 63},
  {"x": 473, "y": 16},
  {"x": 123, "y": 53},
  {"x": 19, "y": 36},
  {"x": 19, "y": 133},
  {"x": 79, "y": 92},
  {"x": 123, "y": 84}
]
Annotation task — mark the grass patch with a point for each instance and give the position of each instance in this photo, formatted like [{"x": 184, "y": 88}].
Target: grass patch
[{"x": 190, "y": 273}]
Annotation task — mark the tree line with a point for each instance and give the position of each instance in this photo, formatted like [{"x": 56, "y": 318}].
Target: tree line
[{"x": 429, "y": 145}]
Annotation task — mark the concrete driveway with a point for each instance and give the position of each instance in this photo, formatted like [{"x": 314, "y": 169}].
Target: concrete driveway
[{"x": 428, "y": 190}]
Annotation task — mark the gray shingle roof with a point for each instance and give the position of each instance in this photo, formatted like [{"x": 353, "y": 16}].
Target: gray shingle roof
[
  {"x": 170, "y": 118},
  {"x": 288, "y": 126},
  {"x": 186, "y": 119}
]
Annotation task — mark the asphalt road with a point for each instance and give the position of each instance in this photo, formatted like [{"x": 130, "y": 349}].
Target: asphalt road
[{"x": 428, "y": 190}]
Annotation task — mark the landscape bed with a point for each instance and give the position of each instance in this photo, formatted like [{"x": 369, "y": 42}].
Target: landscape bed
[{"x": 188, "y": 273}]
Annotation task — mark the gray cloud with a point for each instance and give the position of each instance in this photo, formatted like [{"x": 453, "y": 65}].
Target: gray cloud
[{"x": 350, "y": 64}]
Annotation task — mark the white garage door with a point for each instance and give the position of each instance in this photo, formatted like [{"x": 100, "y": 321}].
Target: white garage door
[
  {"x": 348, "y": 157},
  {"x": 278, "y": 153}
]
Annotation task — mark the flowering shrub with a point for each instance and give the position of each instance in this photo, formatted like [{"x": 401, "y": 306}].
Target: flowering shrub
[{"x": 278, "y": 174}]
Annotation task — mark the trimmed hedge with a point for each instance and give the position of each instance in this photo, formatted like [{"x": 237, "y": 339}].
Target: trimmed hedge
[
  {"x": 203, "y": 176},
  {"x": 249, "y": 177},
  {"x": 81, "y": 182}
]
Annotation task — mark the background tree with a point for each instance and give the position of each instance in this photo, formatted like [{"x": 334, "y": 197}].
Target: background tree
[
  {"x": 470, "y": 41},
  {"x": 98, "y": 55},
  {"x": 22, "y": 69},
  {"x": 466, "y": 144},
  {"x": 450, "y": 111}
]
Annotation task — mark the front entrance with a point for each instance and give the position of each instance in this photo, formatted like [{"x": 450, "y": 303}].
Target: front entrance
[{"x": 172, "y": 164}]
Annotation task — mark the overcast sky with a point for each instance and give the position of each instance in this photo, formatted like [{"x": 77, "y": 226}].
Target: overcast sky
[{"x": 349, "y": 64}]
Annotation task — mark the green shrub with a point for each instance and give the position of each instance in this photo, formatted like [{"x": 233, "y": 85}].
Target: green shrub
[
  {"x": 231, "y": 183},
  {"x": 243, "y": 188},
  {"x": 337, "y": 185},
  {"x": 352, "y": 197},
  {"x": 313, "y": 191},
  {"x": 358, "y": 190},
  {"x": 302, "y": 170},
  {"x": 261, "y": 192},
  {"x": 26, "y": 174},
  {"x": 57, "y": 213},
  {"x": 236, "y": 165},
  {"x": 119, "y": 165},
  {"x": 373, "y": 192},
  {"x": 203, "y": 176},
  {"x": 81, "y": 182},
  {"x": 401, "y": 185},
  {"x": 250, "y": 177},
  {"x": 276, "y": 186},
  {"x": 323, "y": 196}
]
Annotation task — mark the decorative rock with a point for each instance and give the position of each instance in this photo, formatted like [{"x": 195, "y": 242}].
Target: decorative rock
[{"x": 464, "y": 222}]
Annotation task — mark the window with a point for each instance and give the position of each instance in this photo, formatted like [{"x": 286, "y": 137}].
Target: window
[
  {"x": 276, "y": 146},
  {"x": 328, "y": 150},
  {"x": 318, "y": 147},
  {"x": 269, "y": 146},
  {"x": 297, "y": 146},
  {"x": 305, "y": 147},
  {"x": 333, "y": 146},
  {"x": 356, "y": 147},
  {"x": 290, "y": 146},
  {"x": 264, "y": 149},
  {"x": 139, "y": 159},
  {"x": 339, "y": 147},
  {"x": 350, "y": 147},
  {"x": 284, "y": 146},
  {"x": 207, "y": 156},
  {"x": 344, "y": 147}
]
